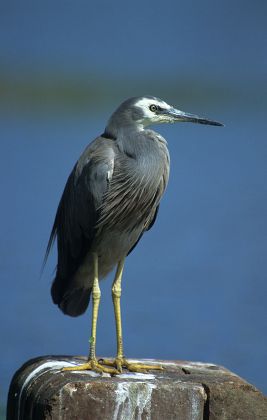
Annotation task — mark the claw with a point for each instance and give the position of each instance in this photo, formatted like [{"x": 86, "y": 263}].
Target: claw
[
  {"x": 120, "y": 363},
  {"x": 93, "y": 365}
]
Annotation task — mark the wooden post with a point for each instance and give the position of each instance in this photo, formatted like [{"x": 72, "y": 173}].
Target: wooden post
[{"x": 184, "y": 390}]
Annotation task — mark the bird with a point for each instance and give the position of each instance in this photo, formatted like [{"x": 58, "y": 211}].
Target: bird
[{"x": 110, "y": 200}]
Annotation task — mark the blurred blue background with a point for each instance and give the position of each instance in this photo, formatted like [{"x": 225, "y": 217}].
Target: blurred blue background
[{"x": 65, "y": 66}]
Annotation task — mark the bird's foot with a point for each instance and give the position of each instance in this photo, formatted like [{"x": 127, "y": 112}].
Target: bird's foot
[
  {"x": 93, "y": 365},
  {"x": 121, "y": 363}
]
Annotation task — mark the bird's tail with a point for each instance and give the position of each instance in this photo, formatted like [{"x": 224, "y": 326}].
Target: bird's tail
[{"x": 71, "y": 300}]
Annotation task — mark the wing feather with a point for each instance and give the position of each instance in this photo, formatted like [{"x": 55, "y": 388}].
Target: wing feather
[{"x": 78, "y": 210}]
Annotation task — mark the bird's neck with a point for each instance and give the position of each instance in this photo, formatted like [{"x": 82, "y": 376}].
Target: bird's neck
[
  {"x": 142, "y": 145},
  {"x": 116, "y": 131}
]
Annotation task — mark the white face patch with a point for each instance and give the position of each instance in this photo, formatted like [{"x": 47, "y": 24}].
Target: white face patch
[{"x": 149, "y": 115}]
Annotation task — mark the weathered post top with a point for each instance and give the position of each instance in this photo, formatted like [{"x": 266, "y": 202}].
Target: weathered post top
[{"x": 183, "y": 390}]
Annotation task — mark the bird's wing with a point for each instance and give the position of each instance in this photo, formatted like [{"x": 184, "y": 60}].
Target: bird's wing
[
  {"x": 78, "y": 210},
  {"x": 153, "y": 219},
  {"x": 148, "y": 226}
]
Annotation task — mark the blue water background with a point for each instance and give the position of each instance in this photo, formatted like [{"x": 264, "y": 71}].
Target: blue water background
[{"x": 195, "y": 287}]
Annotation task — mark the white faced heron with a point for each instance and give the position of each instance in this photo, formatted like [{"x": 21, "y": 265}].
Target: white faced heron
[{"x": 111, "y": 198}]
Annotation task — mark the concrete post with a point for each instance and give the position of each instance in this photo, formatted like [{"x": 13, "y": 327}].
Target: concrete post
[{"x": 184, "y": 391}]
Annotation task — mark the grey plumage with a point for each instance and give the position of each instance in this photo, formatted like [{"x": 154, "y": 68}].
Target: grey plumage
[{"x": 111, "y": 198}]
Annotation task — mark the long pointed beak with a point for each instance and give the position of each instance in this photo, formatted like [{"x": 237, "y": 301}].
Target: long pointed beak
[{"x": 177, "y": 115}]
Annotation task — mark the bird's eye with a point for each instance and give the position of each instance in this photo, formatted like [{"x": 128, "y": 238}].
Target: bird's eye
[{"x": 153, "y": 108}]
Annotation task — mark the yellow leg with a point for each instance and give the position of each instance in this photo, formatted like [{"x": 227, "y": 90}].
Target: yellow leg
[
  {"x": 92, "y": 363},
  {"x": 116, "y": 297},
  {"x": 120, "y": 361},
  {"x": 96, "y": 295}
]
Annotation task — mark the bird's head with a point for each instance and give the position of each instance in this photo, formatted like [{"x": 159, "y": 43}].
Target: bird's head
[
  {"x": 147, "y": 110},
  {"x": 155, "y": 111}
]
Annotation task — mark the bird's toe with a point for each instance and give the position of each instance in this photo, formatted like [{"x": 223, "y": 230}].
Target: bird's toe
[
  {"x": 93, "y": 365},
  {"x": 121, "y": 363}
]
